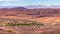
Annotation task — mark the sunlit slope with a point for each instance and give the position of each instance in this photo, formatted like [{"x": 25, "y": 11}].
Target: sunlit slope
[{"x": 42, "y": 19}]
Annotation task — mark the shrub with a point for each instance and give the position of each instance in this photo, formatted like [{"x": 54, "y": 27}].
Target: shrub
[
  {"x": 9, "y": 31},
  {"x": 34, "y": 23}
]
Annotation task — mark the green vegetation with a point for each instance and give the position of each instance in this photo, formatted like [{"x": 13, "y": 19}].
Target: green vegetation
[{"x": 33, "y": 23}]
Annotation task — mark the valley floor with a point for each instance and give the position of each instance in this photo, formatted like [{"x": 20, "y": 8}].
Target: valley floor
[{"x": 51, "y": 25}]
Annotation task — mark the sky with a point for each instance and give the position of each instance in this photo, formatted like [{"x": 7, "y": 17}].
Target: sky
[{"x": 28, "y": 2}]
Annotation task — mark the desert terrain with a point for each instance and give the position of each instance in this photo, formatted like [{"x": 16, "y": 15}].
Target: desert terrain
[{"x": 21, "y": 20}]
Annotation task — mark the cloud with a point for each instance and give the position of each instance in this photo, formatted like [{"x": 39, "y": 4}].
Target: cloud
[
  {"x": 8, "y": 0},
  {"x": 9, "y": 3},
  {"x": 28, "y": 2}
]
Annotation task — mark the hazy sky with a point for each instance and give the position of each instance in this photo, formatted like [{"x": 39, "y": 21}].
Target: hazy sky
[{"x": 28, "y": 2}]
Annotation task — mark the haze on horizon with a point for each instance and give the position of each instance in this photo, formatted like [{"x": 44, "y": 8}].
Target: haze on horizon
[{"x": 28, "y": 2}]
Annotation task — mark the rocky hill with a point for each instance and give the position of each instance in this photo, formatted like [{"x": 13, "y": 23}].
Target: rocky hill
[{"x": 20, "y": 20}]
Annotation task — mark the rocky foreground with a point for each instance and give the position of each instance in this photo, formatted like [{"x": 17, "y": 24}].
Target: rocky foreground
[{"x": 21, "y": 26}]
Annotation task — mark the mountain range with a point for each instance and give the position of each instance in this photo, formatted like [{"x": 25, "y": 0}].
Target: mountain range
[
  {"x": 42, "y": 6},
  {"x": 33, "y": 6}
]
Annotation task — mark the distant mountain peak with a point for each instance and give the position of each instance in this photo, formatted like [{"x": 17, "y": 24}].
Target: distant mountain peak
[
  {"x": 35, "y": 6},
  {"x": 42, "y": 6}
]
